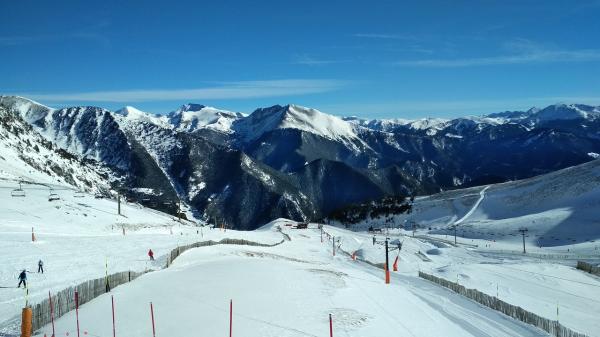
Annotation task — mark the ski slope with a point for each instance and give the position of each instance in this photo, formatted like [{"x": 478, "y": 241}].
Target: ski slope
[
  {"x": 536, "y": 284},
  {"x": 559, "y": 209},
  {"x": 287, "y": 290},
  {"x": 474, "y": 208},
  {"x": 76, "y": 237}
]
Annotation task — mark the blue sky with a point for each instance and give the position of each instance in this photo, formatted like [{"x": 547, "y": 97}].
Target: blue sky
[{"x": 375, "y": 59}]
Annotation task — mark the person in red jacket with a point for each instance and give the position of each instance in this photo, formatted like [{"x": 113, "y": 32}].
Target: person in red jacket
[{"x": 151, "y": 254}]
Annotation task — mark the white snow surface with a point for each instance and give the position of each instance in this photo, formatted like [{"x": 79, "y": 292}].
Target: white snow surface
[
  {"x": 558, "y": 208},
  {"x": 134, "y": 115},
  {"x": 193, "y": 117},
  {"x": 286, "y": 290}
]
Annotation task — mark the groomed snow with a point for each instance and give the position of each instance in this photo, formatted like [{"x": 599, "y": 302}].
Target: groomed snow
[
  {"x": 287, "y": 290},
  {"x": 77, "y": 236}
]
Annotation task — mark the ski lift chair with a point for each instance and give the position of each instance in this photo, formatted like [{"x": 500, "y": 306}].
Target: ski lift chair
[
  {"x": 18, "y": 192},
  {"x": 53, "y": 196}
]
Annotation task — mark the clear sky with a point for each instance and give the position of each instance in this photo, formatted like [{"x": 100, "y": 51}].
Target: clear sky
[{"x": 375, "y": 59}]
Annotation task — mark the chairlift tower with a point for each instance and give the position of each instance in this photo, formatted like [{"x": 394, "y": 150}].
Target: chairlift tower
[
  {"x": 19, "y": 192},
  {"x": 523, "y": 232},
  {"x": 455, "y": 226}
]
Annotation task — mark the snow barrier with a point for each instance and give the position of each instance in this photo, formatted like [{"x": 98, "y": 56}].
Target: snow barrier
[
  {"x": 588, "y": 267},
  {"x": 177, "y": 251},
  {"x": 64, "y": 301},
  {"x": 554, "y": 328}
]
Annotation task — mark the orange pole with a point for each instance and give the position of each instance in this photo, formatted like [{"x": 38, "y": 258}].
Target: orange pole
[
  {"x": 32, "y": 235},
  {"x": 387, "y": 275},
  {"x": 26, "y": 322}
]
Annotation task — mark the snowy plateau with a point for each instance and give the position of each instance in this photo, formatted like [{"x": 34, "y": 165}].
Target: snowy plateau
[{"x": 90, "y": 191}]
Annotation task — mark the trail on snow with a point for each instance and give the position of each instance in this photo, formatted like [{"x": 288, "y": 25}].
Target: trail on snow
[{"x": 474, "y": 208}]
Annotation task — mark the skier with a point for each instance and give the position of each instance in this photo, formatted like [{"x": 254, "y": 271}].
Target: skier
[
  {"x": 151, "y": 254},
  {"x": 23, "y": 279},
  {"x": 40, "y": 266}
]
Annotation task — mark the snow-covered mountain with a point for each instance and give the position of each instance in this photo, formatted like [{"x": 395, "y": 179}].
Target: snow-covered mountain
[
  {"x": 300, "y": 163},
  {"x": 188, "y": 118},
  {"x": 27, "y": 156},
  {"x": 295, "y": 117},
  {"x": 534, "y": 117},
  {"x": 557, "y": 208},
  {"x": 191, "y": 117}
]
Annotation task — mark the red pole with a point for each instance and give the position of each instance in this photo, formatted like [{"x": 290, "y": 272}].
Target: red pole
[
  {"x": 51, "y": 313},
  {"x": 32, "y": 235},
  {"x": 330, "y": 326},
  {"x": 396, "y": 264},
  {"x": 387, "y": 263},
  {"x": 112, "y": 299},
  {"x": 333, "y": 245},
  {"x": 152, "y": 315},
  {"x": 230, "y": 318},
  {"x": 77, "y": 310}
]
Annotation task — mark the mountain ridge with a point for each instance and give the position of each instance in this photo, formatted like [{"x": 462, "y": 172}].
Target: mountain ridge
[{"x": 215, "y": 160}]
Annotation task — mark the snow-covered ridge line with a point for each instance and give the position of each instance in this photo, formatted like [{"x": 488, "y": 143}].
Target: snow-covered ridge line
[{"x": 191, "y": 117}]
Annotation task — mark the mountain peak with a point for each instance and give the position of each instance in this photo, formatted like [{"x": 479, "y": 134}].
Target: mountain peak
[
  {"x": 30, "y": 110},
  {"x": 292, "y": 116},
  {"x": 130, "y": 111},
  {"x": 562, "y": 111},
  {"x": 192, "y": 116},
  {"x": 191, "y": 107}
]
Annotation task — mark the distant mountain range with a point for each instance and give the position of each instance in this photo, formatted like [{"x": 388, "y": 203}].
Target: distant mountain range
[{"x": 296, "y": 162}]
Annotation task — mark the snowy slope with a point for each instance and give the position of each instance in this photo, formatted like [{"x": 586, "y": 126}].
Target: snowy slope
[
  {"x": 26, "y": 155},
  {"x": 295, "y": 286},
  {"x": 134, "y": 116},
  {"x": 533, "y": 283},
  {"x": 77, "y": 235},
  {"x": 31, "y": 111},
  {"x": 558, "y": 208}
]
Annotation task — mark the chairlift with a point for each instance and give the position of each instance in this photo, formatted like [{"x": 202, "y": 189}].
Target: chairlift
[
  {"x": 53, "y": 196},
  {"x": 78, "y": 194},
  {"x": 18, "y": 192}
]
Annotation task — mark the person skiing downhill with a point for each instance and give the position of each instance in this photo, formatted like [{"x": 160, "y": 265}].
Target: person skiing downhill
[
  {"x": 151, "y": 254},
  {"x": 23, "y": 279},
  {"x": 40, "y": 266}
]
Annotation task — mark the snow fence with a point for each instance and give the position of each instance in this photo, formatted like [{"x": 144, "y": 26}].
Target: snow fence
[
  {"x": 554, "y": 328},
  {"x": 64, "y": 301},
  {"x": 588, "y": 267},
  {"x": 179, "y": 250}
]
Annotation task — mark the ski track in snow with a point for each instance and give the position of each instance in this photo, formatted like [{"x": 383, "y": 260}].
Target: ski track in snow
[{"x": 474, "y": 208}]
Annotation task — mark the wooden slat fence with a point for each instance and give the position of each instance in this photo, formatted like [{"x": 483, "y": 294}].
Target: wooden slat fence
[
  {"x": 588, "y": 267},
  {"x": 554, "y": 328}
]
